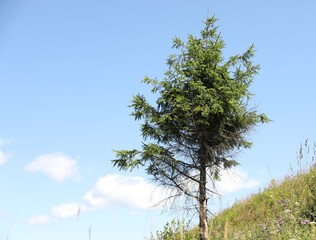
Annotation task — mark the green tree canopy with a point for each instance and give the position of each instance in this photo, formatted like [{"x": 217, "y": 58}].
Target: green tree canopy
[{"x": 201, "y": 117}]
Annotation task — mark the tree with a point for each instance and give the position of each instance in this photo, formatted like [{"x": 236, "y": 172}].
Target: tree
[{"x": 201, "y": 118}]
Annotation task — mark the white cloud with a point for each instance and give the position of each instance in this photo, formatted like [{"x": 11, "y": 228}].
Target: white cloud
[
  {"x": 133, "y": 193},
  {"x": 40, "y": 219},
  {"x": 68, "y": 210},
  {"x": 118, "y": 190},
  {"x": 235, "y": 180},
  {"x": 56, "y": 165},
  {"x": 3, "y": 158},
  {"x": 62, "y": 211}
]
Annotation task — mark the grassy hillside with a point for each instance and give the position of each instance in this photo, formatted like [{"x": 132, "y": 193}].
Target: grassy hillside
[
  {"x": 282, "y": 211},
  {"x": 285, "y": 210}
]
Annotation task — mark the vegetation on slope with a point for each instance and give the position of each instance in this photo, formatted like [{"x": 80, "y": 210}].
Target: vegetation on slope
[{"x": 285, "y": 210}]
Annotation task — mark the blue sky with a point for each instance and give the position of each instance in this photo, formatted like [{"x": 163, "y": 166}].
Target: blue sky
[{"x": 68, "y": 70}]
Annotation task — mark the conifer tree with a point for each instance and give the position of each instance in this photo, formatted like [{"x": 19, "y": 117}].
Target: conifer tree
[{"x": 202, "y": 116}]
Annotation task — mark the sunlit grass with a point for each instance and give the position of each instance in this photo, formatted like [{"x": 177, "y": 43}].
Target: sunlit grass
[{"x": 285, "y": 210}]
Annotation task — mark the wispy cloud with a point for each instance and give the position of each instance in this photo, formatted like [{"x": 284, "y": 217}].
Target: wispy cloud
[
  {"x": 3, "y": 157},
  {"x": 58, "y": 166},
  {"x": 2, "y": 214},
  {"x": 4, "y": 141},
  {"x": 40, "y": 219},
  {"x": 235, "y": 180},
  {"x": 67, "y": 210},
  {"x": 122, "y": 191}
]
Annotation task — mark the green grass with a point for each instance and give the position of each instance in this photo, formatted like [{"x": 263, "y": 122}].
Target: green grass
[{"x": 285, "y": 210}]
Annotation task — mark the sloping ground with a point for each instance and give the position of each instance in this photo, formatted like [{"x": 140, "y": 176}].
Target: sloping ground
[{"x": 282, "y": 211}]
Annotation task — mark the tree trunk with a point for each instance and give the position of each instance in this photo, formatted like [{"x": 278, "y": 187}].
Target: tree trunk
[{"x": 203, "y": 203}]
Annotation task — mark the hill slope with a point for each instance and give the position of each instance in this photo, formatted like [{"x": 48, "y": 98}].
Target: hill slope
[
  {"x": 285, "y": 210},
  {"x": 282, "y": 211}
]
